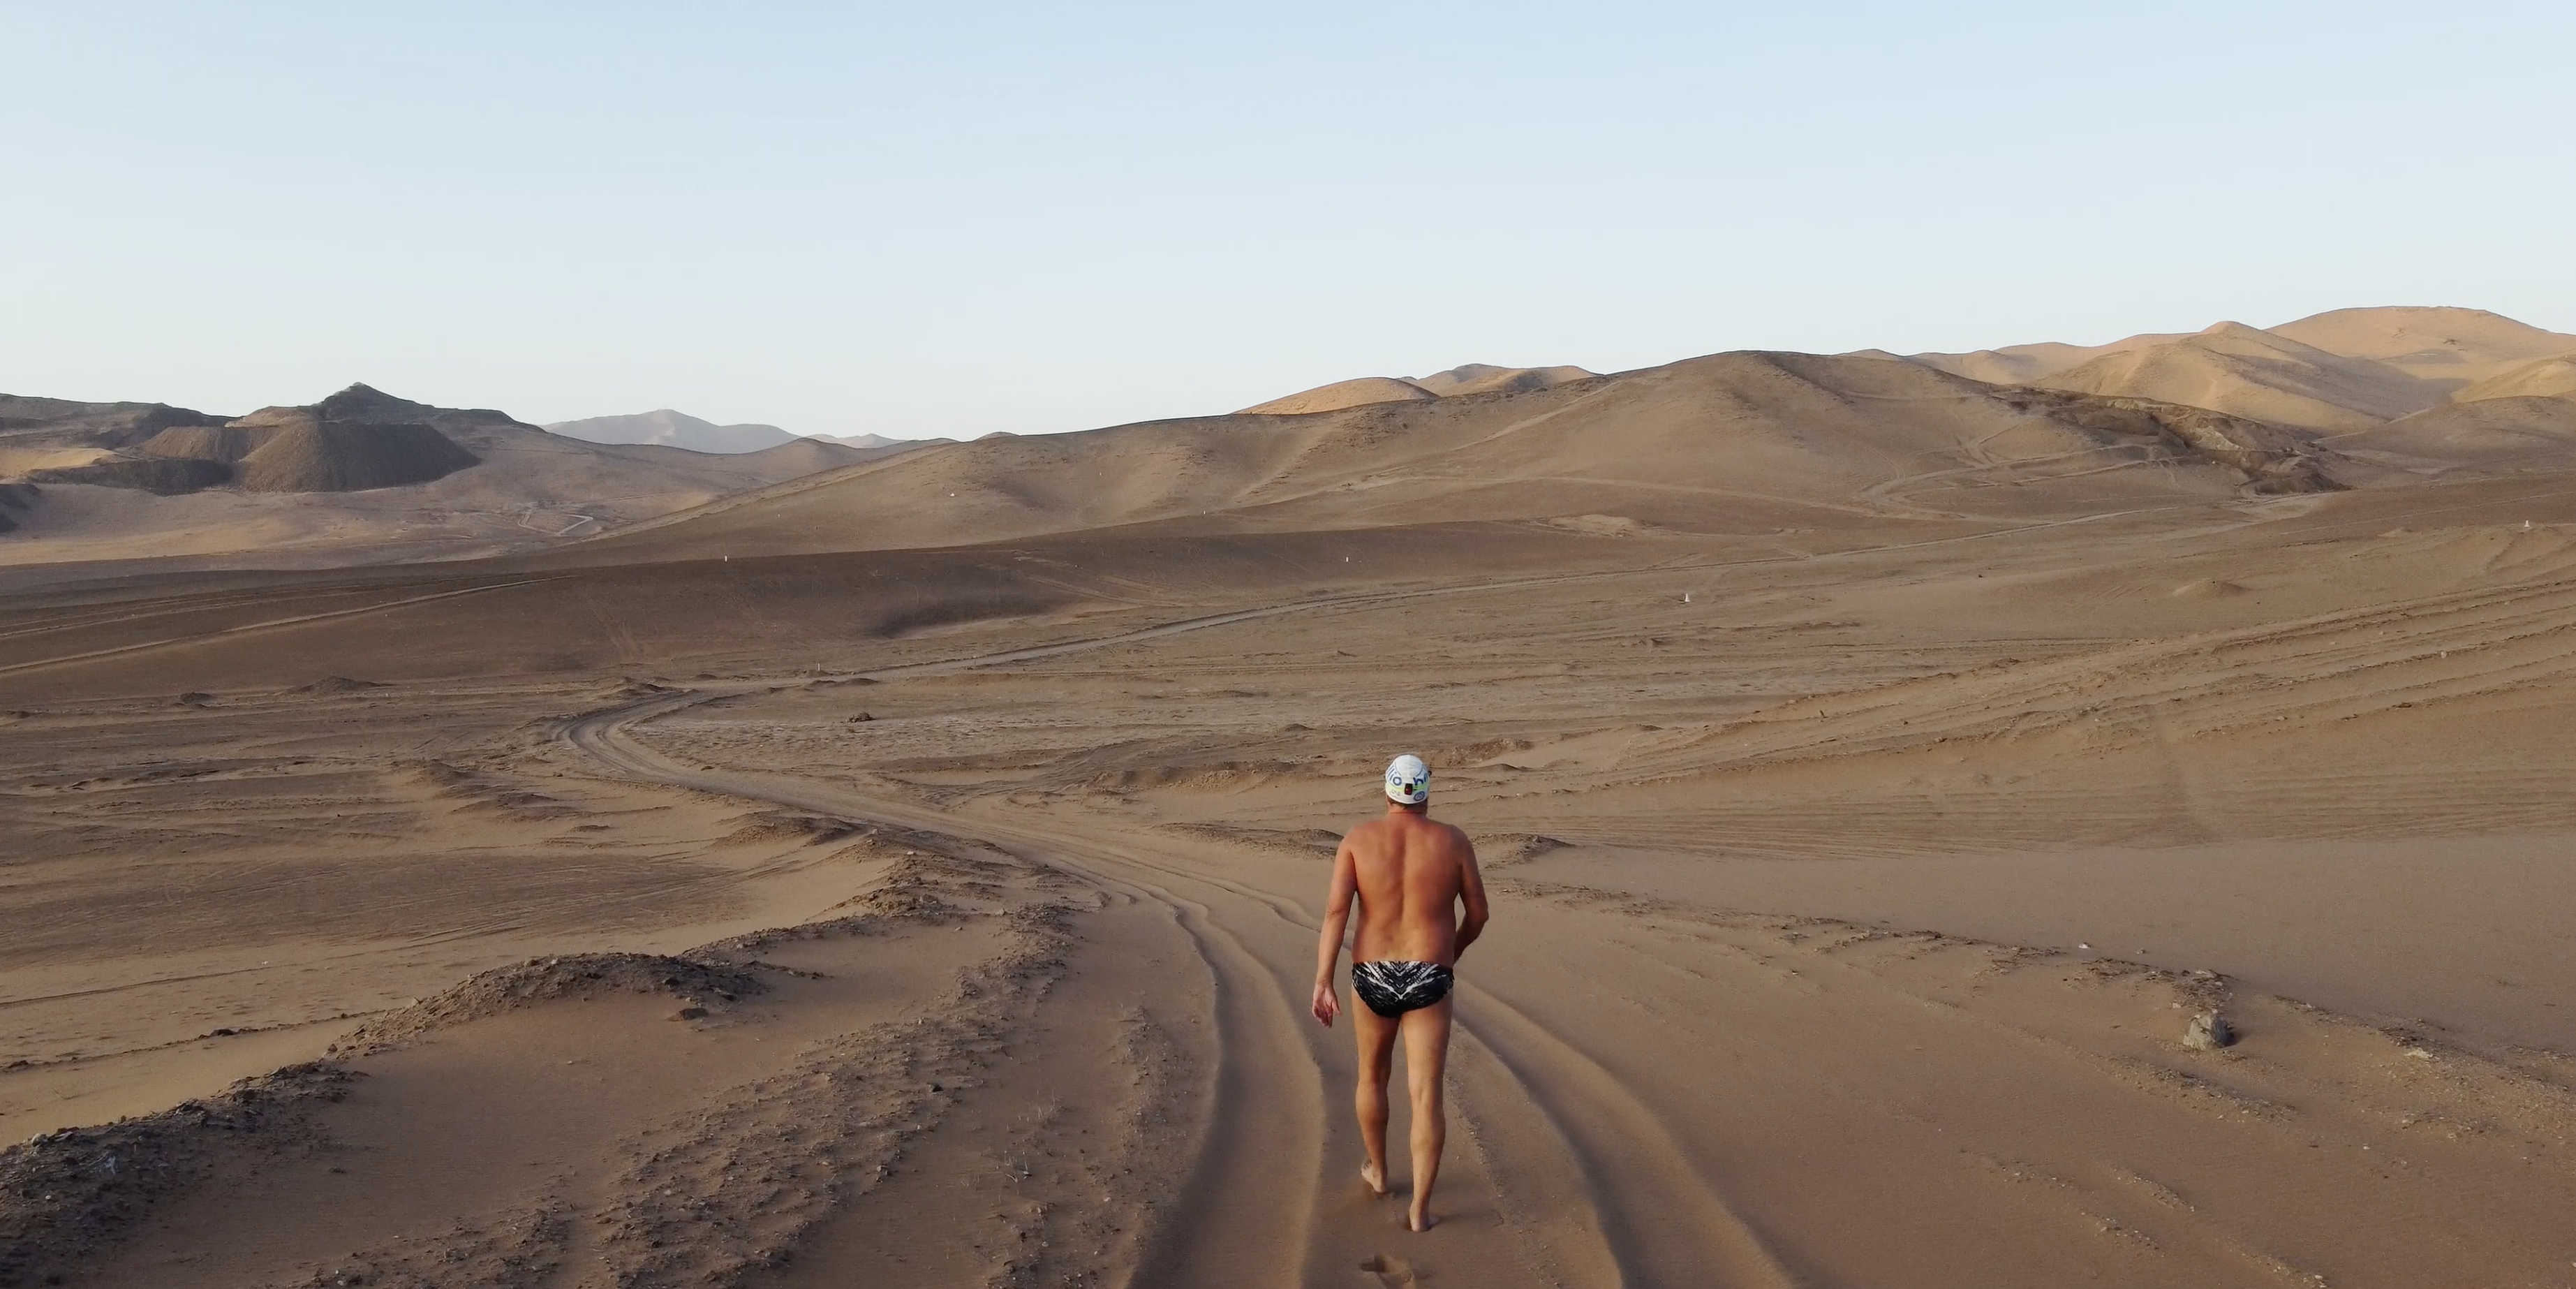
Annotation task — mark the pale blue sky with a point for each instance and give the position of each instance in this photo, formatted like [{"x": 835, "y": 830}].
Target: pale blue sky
[{"x": 957, "y": 218}]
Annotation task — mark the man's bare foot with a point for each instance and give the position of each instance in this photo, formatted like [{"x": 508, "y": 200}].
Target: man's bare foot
[
  {"x": 1420, "y": 1221},
  {"x": 1375, "y": 1177}
]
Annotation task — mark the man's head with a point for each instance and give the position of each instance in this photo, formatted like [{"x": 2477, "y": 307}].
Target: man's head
[{"x": 1408, "y": 781}]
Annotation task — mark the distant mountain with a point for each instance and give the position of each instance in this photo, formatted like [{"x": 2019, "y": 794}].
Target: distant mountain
[
  {"x": 358, "y": 473},
  {"x": 673, "y": 429},
  {"x": 123, "y": 423},
  {"x": 871, "y": 442},
  {"x": 664, "y": 427},
  {"x": 353, "y": 441}
]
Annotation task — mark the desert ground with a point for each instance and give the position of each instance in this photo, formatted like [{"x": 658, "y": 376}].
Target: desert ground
[{"x": 907, "y": 873}]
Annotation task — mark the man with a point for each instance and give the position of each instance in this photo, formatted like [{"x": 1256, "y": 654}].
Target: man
[{"x": 1410, "y": 875}]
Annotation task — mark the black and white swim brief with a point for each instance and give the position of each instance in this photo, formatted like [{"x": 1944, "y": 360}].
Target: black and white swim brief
[{"x": 1392, "y": 988}]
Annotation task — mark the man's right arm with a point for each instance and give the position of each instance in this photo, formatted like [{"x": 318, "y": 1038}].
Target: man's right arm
[{"x": 1328, "y": 941}]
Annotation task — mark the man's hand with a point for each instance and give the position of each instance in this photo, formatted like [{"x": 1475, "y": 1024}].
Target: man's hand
[{"x": 1327, "y": 1004}]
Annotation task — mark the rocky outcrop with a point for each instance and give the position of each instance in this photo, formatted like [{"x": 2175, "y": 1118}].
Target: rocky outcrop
[
  {"x": 355, "y": 440},
  {"x": 2273, "y": 458}
]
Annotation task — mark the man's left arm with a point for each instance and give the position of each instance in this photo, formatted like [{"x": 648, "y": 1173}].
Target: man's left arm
[{"x": 1471, "y": 892}]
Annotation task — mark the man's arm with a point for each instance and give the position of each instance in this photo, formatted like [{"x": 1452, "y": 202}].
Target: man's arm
[
  {"x": 1471, "y": 891},
  {"x": 1337, "y": 919}
]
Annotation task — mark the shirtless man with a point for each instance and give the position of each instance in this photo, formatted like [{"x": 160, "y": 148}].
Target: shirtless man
[{"x": 1410, "y": 874}]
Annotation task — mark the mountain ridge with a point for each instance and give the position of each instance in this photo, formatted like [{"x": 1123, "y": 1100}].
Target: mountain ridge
[
  {"x": 358, "y": 475},
  {"x": 669, "y": 427}
]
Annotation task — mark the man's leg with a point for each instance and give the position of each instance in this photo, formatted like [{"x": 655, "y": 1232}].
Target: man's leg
[
  {"x": 1377, "y": 1059},
  {"x": 1426, "y": 1065}
]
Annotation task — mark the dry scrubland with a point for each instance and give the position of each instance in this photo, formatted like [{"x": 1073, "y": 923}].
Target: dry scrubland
[{"x": 906, "y": 873}]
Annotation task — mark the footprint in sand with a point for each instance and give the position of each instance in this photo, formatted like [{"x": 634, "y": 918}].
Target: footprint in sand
[{"x": 1394, "y": 1272}]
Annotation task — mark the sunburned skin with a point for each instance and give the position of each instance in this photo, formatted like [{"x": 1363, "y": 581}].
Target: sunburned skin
[{"x": 1412, "y": 877}]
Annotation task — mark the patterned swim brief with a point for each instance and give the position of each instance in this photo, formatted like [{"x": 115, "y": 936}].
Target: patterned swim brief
[{"x": 1392, "y": 988}]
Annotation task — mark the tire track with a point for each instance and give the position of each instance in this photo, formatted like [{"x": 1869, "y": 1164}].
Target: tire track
[
  {"x": 1665, "y": 1223},
  {"x": 1659, "y": 1222},
  {"x": 270, "y": 625},
  {"x": 1268, "y": 1110},
  {"x": 1656, "y": 1219}
]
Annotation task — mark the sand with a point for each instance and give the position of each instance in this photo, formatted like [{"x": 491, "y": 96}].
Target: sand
[{"x": 1876, "y": 780}]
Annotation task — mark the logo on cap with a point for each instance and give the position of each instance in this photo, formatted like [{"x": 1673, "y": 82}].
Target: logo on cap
[{"x": 1408, "y": 780}]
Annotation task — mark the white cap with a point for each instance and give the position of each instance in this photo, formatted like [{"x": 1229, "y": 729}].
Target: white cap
[{"x": 1408, "y": 780}]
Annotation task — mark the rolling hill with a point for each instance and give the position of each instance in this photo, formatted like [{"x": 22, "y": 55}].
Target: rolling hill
[
  {"x": 2235, "y": 368},
  {"x": 2544, "y": 378},
  {"x": 2451, "y": 347},
  {"x": 1743, "y": 442},
  {"x": 1747, "y": 442},
  {"x": 360, "y": 476},
  {"x": 2339, "y": 371}
]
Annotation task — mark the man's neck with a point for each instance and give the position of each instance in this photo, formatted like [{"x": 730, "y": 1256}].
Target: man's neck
[{"x": 1399, "y": 808}]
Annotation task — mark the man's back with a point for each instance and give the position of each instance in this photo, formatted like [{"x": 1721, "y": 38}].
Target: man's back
[
  {"x": 1410, "y": 872},
  {"x": 1410, "y": 877}
]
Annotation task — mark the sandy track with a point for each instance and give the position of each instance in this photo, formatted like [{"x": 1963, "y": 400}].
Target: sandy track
[
  {"x": 1230, "y": 1226},
  {"x": 1237, "y": 1223}
]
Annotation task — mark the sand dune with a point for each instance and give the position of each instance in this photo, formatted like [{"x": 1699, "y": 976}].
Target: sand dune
[
  {"x": 2025, "y": 364},
  {"x": 1341, "y": 394},
  {"x": 1353, "y": 452},
  {"x": 1472, "y": 378},
  {"x": 1478, "y": 378},
  {"x": 2450, "y": 346},
  {"x": 2235, "y": 368},
  {"x": 2544, "y": 378},
  {"x": 1732, "y": 443}
]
